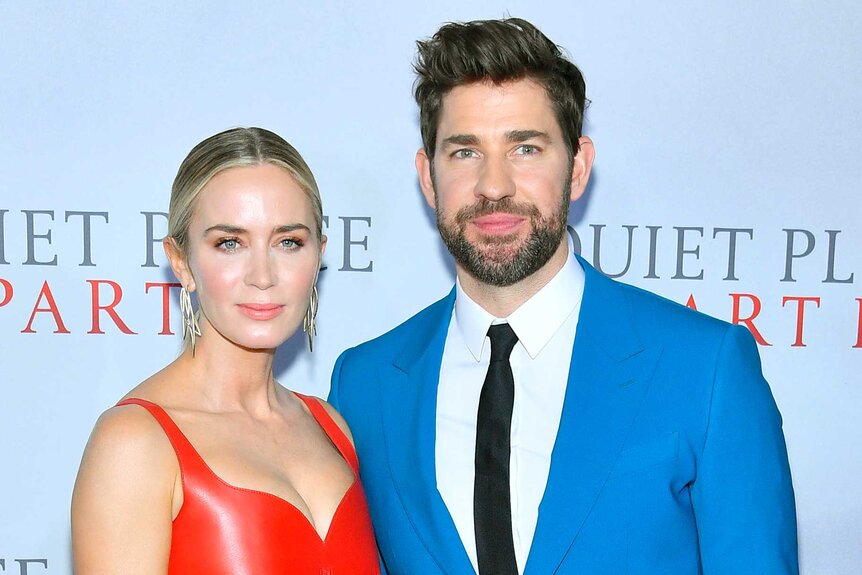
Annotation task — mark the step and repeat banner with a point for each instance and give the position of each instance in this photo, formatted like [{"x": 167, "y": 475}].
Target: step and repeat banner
[{"x": 727, "y": 178}]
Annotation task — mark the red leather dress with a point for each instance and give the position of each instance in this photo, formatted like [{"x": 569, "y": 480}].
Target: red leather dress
[{"x": 225, "y": 529}]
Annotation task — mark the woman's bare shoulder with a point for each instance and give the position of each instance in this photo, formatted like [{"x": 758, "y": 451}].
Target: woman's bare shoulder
[
  {"x": 127, "y": 435},
  {"x": 128, "y": 443},
  {"x": 339, "y": 420}
]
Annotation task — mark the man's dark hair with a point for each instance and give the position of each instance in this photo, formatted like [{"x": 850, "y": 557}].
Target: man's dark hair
[{"x": 497, "y": 51}]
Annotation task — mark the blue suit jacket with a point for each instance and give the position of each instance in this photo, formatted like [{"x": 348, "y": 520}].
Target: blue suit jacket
[{"x": 669, "y": 458}]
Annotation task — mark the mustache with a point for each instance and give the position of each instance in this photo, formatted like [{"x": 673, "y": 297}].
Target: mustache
[{"x": 485, "y": 207}]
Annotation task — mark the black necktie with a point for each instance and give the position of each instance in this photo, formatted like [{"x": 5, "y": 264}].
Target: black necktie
[{"x": 492, "y": 508}]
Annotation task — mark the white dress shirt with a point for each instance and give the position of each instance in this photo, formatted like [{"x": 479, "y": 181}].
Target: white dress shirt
[{"x": 545, "y": 325}]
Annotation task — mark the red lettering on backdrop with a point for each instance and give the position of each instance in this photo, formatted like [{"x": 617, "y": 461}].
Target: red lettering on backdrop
[
  {"x": 45, "y": 292},
  {"x": 859, "y": 332},
  {"x": 166, "y": 303},
  {"x": 748, "y": 321},
  {"x": 691, "y": 303},
  {"x": 7, "y": 292},
  {"x": 96, "y": 307},
  {"x": 800, "y": 314}
]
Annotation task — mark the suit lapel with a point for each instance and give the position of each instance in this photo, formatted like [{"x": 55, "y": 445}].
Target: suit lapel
[
  {"x": 409, "y": 401},
  {"x": 608, "y": 377}
]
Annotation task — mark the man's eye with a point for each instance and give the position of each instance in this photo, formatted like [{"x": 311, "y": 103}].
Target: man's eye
[
  {"x": 527, "y": 149},
  {"x": 463, "y": 154}
]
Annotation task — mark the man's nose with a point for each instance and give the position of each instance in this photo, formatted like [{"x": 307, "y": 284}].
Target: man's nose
[{"x": 495, "y": 180}]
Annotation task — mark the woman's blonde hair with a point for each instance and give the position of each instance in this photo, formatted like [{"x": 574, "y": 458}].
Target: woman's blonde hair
[{"x": 230, "y": 149}]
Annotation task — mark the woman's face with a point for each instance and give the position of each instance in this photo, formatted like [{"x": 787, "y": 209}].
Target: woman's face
[{"x": 253, "y": 255}]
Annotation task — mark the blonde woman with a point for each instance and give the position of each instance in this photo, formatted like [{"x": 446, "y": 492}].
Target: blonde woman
[{"x": 210, "y": 465}]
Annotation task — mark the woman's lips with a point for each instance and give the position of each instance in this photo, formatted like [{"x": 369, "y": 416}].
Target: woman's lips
[{"x": 261, "y": 311}]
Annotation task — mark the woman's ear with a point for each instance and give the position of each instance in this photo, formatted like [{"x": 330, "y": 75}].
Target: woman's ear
[
  {"x": 179, "y": 263},
  {"x": 322, "y": 245}
]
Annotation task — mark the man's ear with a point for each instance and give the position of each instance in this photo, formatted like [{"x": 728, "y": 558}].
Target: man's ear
[
  {"x": 179, "y": 263},
  {"x": 582, "y": 164},
  {"x": 423, "y": 169}
]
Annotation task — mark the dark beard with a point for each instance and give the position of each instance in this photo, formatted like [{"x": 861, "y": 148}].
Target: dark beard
[{"x": 493, "y": 261}]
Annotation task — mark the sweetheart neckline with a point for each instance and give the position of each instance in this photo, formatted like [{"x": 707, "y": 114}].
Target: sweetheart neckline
[{"x": 306, "y": 519}]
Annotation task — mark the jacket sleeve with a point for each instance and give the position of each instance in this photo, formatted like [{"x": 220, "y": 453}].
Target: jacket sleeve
[
  {"x": 742, "y": 494},
  {"x": 334, "y": 400},
  {"x": 334, "y": 384}
]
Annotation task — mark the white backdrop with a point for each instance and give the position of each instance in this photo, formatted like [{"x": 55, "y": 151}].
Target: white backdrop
[{"x": 705, "y": 116}]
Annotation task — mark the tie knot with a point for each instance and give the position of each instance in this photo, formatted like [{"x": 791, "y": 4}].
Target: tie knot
[{"x": 503, "y": 340}]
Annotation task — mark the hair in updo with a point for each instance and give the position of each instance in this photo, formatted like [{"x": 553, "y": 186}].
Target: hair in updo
[{"x": 234, "y": 148}]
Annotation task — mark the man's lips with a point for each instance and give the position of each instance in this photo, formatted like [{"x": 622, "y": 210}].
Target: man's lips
[
  {"x": 498, "y": 223},
  {"x": 261, "y": 311}
]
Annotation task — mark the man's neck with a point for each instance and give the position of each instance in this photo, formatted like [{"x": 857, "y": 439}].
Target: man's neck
[{"x": 502, "y": 301}]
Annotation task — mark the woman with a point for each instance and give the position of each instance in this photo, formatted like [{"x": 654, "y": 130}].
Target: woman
[{"x": 210, "y": 465}]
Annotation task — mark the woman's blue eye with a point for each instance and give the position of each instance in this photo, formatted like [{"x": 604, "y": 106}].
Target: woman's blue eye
[{"x": 228, "y": 244}]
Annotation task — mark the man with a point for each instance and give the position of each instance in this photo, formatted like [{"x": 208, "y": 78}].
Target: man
[{"x": 542, "y": 418}]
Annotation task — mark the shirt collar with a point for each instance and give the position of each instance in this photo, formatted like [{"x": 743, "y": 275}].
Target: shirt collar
[{"x": 535, "y": 321}]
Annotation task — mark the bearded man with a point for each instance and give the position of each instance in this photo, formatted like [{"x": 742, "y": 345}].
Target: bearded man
[{"x": 542, "y": 418}]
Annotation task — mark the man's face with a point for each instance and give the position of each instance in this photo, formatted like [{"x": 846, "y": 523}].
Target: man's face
[{"x": 501, "y": 179}]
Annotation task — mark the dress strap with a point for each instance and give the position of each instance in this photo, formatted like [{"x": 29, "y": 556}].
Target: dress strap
[
  {"x": 331, "y": 429},
  {"x": 187, "y": 455}
]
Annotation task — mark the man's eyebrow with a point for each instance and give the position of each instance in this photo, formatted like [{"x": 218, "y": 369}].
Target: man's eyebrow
[
  {"x": 523, "y": 135},
  {"x": 460, "y": 140}
]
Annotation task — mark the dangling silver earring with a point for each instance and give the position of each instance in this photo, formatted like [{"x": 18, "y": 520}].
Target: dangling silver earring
[
  {"x": 191, "y": 329},
  {"x": 308, "y": 324}
]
